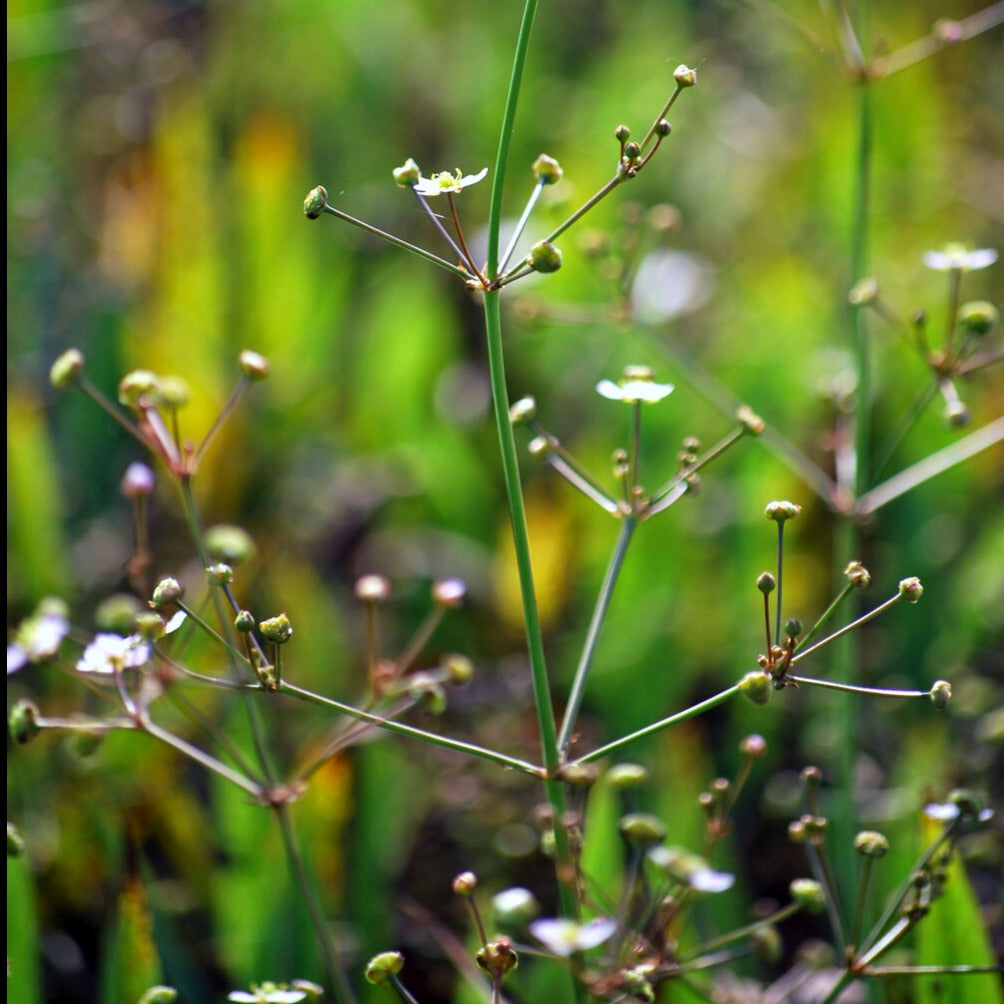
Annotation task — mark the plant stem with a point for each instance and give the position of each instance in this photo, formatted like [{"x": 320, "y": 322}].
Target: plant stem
[{"x": 578, "y": 688}]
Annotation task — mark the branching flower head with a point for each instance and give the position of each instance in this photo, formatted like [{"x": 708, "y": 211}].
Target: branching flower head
[{"x": 445, "y": 183}]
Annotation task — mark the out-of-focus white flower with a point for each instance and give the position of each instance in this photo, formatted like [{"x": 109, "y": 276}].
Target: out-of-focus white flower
[
  {"x": 39, "y": 636},
  {"x": 565, "y": 937},
  {"x": 690, "y": 868},
  {"x": 443, "y": 182},
  {"x": 637, "y": 384},
  {"x": 267, "y": 993},
  {"x": 111, "y": 653},
  {"x": 957, "y": 257}
]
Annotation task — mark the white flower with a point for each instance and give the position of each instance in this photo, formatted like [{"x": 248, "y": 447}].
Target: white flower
[
  {"x": 267, "y": 993},
  {"x": 38, "y": 637},
  {"x": 633, "y": 390},
  {"x": 444, "y": 182},
  {"x": 957, "y": 257},
  {"x": 565, "y": 937},
  {"x": 708, "y": 880},
  {"x": 110, "y": 653}
]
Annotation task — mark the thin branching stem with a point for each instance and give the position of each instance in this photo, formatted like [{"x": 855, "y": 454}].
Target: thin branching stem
[
  {"x": 224, "y": 414},
  {"x": 521, "y": 225}
]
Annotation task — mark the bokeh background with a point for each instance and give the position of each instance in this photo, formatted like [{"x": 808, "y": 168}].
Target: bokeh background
[{"x": 158, "y": 154}]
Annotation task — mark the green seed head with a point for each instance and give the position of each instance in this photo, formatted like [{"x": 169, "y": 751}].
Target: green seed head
[
  {"x": 781, "y": 510},
  {"x": 498, "y": 958},
  {"x": 685, "y": 76},
  {"x": 253, "y": 365},
  {"x": 627, "y": 775},
  {"x": 766, "y": 583},
  {"x": 757, "y": 686},
  {"x": 642, "y": 828},
  {"x": 547, "y": 169},
  {"x": 941, "y": 694},
  {"x": 228, "y": 543},
  {"x": 66, "y": 369},
  {"x": 166, "y": 592},
  {"x": 383, "y": 967},
  {"x": 858, "y": 575},
  {"x": 978, "y": 317},
  {"x": 23, "y": 721},
  {"x": 871, "y": 844},
  {"x": 809, "y": 894},
  {"x": 407, "y": 175},
  {"x": 544, "y": 257},
  {"x": 277, "y": 629},
  {"x": 314, "y": 203},
  {"x": 910, "y": 589}
]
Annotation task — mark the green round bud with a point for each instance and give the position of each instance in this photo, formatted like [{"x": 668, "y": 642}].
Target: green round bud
[
  {"x": 910, "y": 589},
  {"x": 172, "y": 392},
  {"x": 627, "y": 775},
  {"x": 941, "y": 694},
  {"x": 458, "y": 668},
  {"x": 809, "y": 894},
  {"x": 166, "y": 592},
  {"x": 547, "y": 169},
  {"x": 685, "y": 76},
  {"x": 314, "y": 203},
  {"x": 753, "y": 746},
  {"x": 465, "y": 883},
  {"x": 579, "y": 775},
  {"x": 766, "y": 583},
  {"x": 539, "y": 446},
  {"x": 23, "y": 721},
  {"x": 383, "y": 967},
  {"x": 766, "y": 943},
  {"x": 135, "y": 386},
  {"x": 244, "y": 622},
  {"x": 66, "y": 369},
  {"x": 544, "y": 257},
  {"x": 978, "y": 317},
  {"x": 149, "y": 625},
  {"x": 632, "y": 150},
  {"x": 117, "y": 614},
  {"x": 858, "y": 575},
  {"x": 796, "y": 831},
  {"x": 408, "y": 174},
  {"x": 663, "y": 128},
  {"x": 277, "y": 629},
  {"x": 253, "y": 365},
  {"x": 781, "y": 510},
  {"x": 15, "y": 842},
  {"x": 372, "y": 588},
  {"x": 792, "y": 627},
  {"x": 220, "y": 574},
  {"x": 524, "y": 410},
  {"x": 514, "y": 908},
  {"x": 812, "y": 777},
  {"x": 642, "y": 828},
  {"x": 498, "y": 958},
  {"x": 757, "y": 686},
  {"x": 228, "y": 543},
  {"x": 970, "y": 804},
  {"x": 622, "y": 133},
  {"x": 427, "y": 692},
  {"x": 871, "y": 844}
]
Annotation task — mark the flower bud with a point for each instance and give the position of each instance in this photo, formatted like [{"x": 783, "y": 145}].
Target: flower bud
[
  {"x": 228, "y": 543},
  {"x": 314, "y": 203},
  {"x": 864, "y": 292},
  {"x": 871, "y": 844},
  {"x": 766, "y": 583},
  {"x": 779, "y": 511},
  {"x": 753, "y": 746},
  {"x": 632, "y": 150},
  {"x": 458, "y": 668},
  {"x": 627, "y": 775},
  {"x": 858, "y": 575},
  {"x": 514, "y": 907},
  {"x": 372, "y": 588},
  {"x": 427, "y": 692},
  {"x": 579, "y": 775},
  {"x": 277, "y": 629},
  {"x": 809, "y": 894},
  {"x": 166, "y": 592},
  {"x": 253, "y": 365},
  {"x": 116, "y": 614},
  {"x": 756, "y": 686},
  {"x": 910, "y": 589},
  {"x": 244, "y": 622},
  {"x": 622, "y": 133},
  {"x": 544, "y": 257},
  {"x": 642, "y": 828},
  {"x": 465, "y": 883},
  {"x": 498, "y": 958},
  {"x": 407, "y": 175},
  {"x": 978, "y": 317},
  {"x": 449, "y": 593},
  {"x": 66, "y": 369},
  {"x": 941, "y": 694},
  {"x": 766, "y": 943},
  {"x": 23, "y": 721},
  {"x": 138, "y": 481},
  {"x": 750, "y": 420},
  {"x": 150, "y": 626},
  {"x": 524, "y": 410},
  {"x": 547, "y": 169},
  {"x": 539, "y": 446},
  {"x": 792, "y": 627},
  {"x": 172, "y": 392},
  {"x": 663, "y": 128},
  {"x": 684, "y": 76},
  {"x": 381, "y": 968},
  {"x": 220, "y": 574},
  {"x": 137, "y": 385},
  {"x": 796, "y": 831},
  {"x": 812, "y": 777}
]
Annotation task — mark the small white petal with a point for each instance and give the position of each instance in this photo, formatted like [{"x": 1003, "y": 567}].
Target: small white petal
[
  {"x": 175, "y": 622},
  {"x": 708, "y": 880},
  {"x": 944, "y": 811},
  {"x": 632, "y": 391},
  {"x": 565, "y": 937},
  {"x": 17, "y": 658}
]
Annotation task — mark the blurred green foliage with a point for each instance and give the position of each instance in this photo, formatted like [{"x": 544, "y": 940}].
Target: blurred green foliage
[{"x": 158, "y": 156}]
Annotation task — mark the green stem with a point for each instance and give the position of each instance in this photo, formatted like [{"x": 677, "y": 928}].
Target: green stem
[
  {"x": 409, "y": 730},
  {"x": 308, "y": 887},
  {"x": 848, "y": 628},
  {"x": 592, "y": 635},
  {"x": 663, "y": 723}
]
